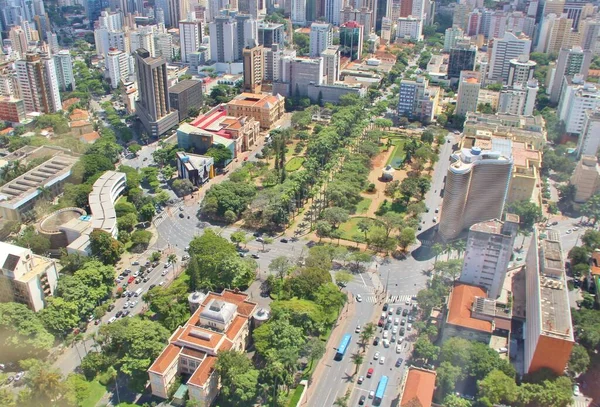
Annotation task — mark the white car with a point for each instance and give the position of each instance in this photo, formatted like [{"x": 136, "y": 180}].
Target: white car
[
  {"x": 164, "y": 272},
  {"x": 395, "y": 329},
  {"x": 396, "y": 321},
  {"x": 357, "y": 330},
  {"x": 382, "y": 360},
  {"x": 19, "y": 375},
  {"x": 112, "y": 319},
  {"x": 137, "y": 273},
  {"x": 409, "y": 327},
  {"x": 398, "y": 348},
  {"x": 133, "y": 304},
  {"x": 386, "y": 334},
  {"x": 358, "y": 298},
  {"x": 376, "y": 356},
  {"x": 126, "y": 305},
  {"x": 161, "y": 283},
  {"x": 576, "y": 391}
]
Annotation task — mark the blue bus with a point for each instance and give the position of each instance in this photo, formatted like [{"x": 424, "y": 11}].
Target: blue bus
[
  {"x": 380, "y": 392},
  {"x": 341, "y": 350}
]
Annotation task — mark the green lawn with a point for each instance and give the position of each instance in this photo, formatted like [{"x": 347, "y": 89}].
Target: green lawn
[
  {"x": 363, "y": 205},
  {"x": 296, "y": 396},
  {"x": 398, "y": 156},
  {"x": 294, "y": 164},
  {"x": 96, "y": 392},
  {"x": 349, "y": 230}
]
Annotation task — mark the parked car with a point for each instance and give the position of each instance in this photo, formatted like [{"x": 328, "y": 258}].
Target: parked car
[
  {"x": 376, "y": 341},
  {"x": 372, "y": 394},
  {"x": 151, "y": 286},
  {"x": 135, "y": 263},
  {"x": 284, "y": 240},
  {"x": 382, "y": 360},
  {"x": 360, "y": 379},
  {"x": 361, "y": 401},
  {"x": 255, "y": 256},
  {"x": 370, "y": 372},
  {"x": 357, "y": 330},
  {"x": 358, "y": 298},
  {"x": 399, "y": 362},
  {"x": 19, "y": 375}
]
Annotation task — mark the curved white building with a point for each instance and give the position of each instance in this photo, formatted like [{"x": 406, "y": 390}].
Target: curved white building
[{"x": 476, "y": 187}]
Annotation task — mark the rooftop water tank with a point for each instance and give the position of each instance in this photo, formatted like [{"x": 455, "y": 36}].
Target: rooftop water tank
[{"x": 475, "y": 150}]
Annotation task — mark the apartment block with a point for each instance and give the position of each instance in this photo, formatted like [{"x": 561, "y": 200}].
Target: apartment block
[
  {"x": 504, "y": 50},
  {"x": 418, "y": 101},
  {"x": 468, "y": 93},
  {"x": 518, "y": 99},
  {"x": 185, "y": 95},
  {"x": 64, "y": 70},
  {"x": 25, "y": 277},
  {"x": 118, "y": 67},
  {"x": 548, "y": 327},
  {"x": 525, "y": 129},
  {"x": 410, "y": 28},
  {"x": 12, "y": 110},
  {"x": 331, "y": 64},
  {"x": 571, "y": 61},
  {"x": 576, "y": 98},
  {"x": 586, "y": 178},
  {"x": 520, "y": 70},
  {"x": 589, "y": 140},
  {"x": 321, "y": 37},
  {"x": 38, "y": 83},
  {"x": 254, "y": 66}
]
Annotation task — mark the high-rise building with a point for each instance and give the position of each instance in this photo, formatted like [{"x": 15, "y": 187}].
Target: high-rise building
[
  {"x": 487, "y": 254},
  {"x": 18, "y": 41},
  {"x": 417, "y": 101},
  {"x": 247, "y": 33},
  {"x": 468, "y": 92},
  {"x": 462, "y": 58},
  {"x": 321, "y": 37},
  {"x": 112, "y": 21},
  {"x": 549, "y": 331},
  {"x": 577, "y": 96},
  {"x": 38, "y": 83},
  {"x": 223, "y": 39},
  {"x": 473, "y": 23},
  {"x": 250, "y": 7},
  {"x": 331, "y": 64},
  {"x": 164, "y": 46},
  {"x": 64, "y": 70},
  {"x": 351, "y": 40},
  {"x": 520, "y": 70},
  {"x": 143, "y": 38},
  {"x": 332, "y": 11},
  {"x": 298, "y": 11},
  {"x": 518, "y": 99},
  {"x": 571, "y": 61},
  {"x": 118, "y": 67},
  {"x": 451, "y": 37},
  {"x": 586, "y": 178},
  {"x": 590, "y": 30},
  {"x": 589, "y": 140},
  {"x": 184, "y": 96},
  {"x": 153, "y": 107},
  {"x": 409, "y": 28},
  {"x": 506, "y": 48},
  {"x": 468, "y": 198},
  {"x": 362, "y": 17},
  {"x": 253, "y": 68},
  {"x": 383, "y": 9},
  {"x": 190, "y": 37},
  {"x": 555, "y": 33},
  {"x": 270, "y": 33}
]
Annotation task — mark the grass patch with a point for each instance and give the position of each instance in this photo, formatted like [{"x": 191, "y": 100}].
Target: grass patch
[
  {"x": 397, "y": 206},
  {"x": 349, "y": 229},
  {"x": 398, "y": 155},
  {"x": 296, "y": 396},
  {"x": 363, "y": 205},
  {"x": 96, "y": 392},
  {"x": 294, "y": 164}
]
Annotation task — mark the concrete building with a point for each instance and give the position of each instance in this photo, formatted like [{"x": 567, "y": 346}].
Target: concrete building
[
  {"x": 417, "y": 387},
  {"x": 504, "y": 50},
  {"x": 351, "y": 40},
  {"x": 364, "y": 17},
  {"x": 570, "y": 62},
  {"x": 462, "y": 58},
  {"x": 525, "y": 180},
  {"x": 468, "y": 92},
  {"x": 153, "y": 108},
  {"x": 64, "y": 70},
  {"x": 589, "y": 140},
  {"x": 451, "y": 37},
  {"x": 586, "y": 179},
  {"x": 223, "y": 39},
  {"x": 418, "y": 101},
  {"x": 25, "y": 277},
  {"x": 270, "y": 34},
  {"x": 221, "y": 322},
  {"x": 468, "y": 198},
  {"x": 488, "y": 252},
  {"x": 548, "y": 328},
  {"x": 185, "y": 95},
  {"x": 250, "y": 7},
  {"x": 198, "y": 169},
  {"x": 577, "y": 96},
  {"x": 331, "y": 93},
  {"x": 520, "y": 70},
  {"x": 332, "y": 11},
  {"x": 321, "y": 37},
  {"x": 38, "y": 83},
  {"x": 12, "y": 110},
  {"x": 118, "y": 67},
  {"x": 20, "y": 195},
  {"x": 298, "y": 11},
  {"x": 525, "y": 129},
  {"x": 190, "y": 37},
  {"x": 296, "y": 74},
  {"x": 331, "y": 64},
  {"x": 266, "y": 109},
  {"x": 518, "y": 99},
  {"x": 254, "y": 67},
  {"x": 164, "y": 46}
]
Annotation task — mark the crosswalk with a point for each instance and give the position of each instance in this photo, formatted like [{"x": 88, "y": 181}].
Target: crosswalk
[{"x": 392, "y": 299}]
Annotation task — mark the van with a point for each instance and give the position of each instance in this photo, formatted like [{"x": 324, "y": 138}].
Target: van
[
  {"x": 112, "y": 319},
  {"x": 137, "y": 292}
]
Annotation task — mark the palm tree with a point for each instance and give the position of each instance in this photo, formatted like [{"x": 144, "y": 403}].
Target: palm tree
[
  {"x": 367, "y": 333},
  {"x": 46, "y": 384},
  {"x": 364, "y": 225},
  {"x": 460, "y": 246},
  {"x": 437, "y": 249},
  {"x": 357, "y": 359},
  {"x": 172, "y": 259}
]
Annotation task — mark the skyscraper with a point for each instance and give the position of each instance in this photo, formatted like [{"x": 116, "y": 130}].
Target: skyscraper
[
  {"x": 253, "y": 68},
  {"x": 468, "y": 92},
  {"x": 153, "y": 107},
  {"x": 223, "y": 39},
  {"x": 64, "y": 70},
  {"x": 507, "y": 48},
  {"x": 570, "y": 62},
  {"x": 351, "y": 39},
  {"x": 520, "y": 70},
  {"x": 117, "y": 65},
  {"x": 36, "y": 75},
  {"x": 321, "y": 37},
  {"x": 190, "y": 36},
  {"x": 332, "y": 11},
  {"x": 384, "y": 9}
]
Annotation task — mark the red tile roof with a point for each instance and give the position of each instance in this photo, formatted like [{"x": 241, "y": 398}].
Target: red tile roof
[
  {"x": 203, "y": 372},
  {"x": 459, "y": 307},
  {"x": 418, "y": 388},
  {"x": 165, "y": 359}
]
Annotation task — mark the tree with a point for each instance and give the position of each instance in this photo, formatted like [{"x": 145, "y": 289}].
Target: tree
[
  {"x": 162, "y": 197},
  {"x": 239, "y": 237},
  {"x": 105, "y": 247},
  {"x": 579, "y": 255},
  {"x": 452, "y": 400},
  {"x": 45, "y": 383},
  {"x": 182, "y": 187},
  {"x": 358, "y": 259},
  {"x": 127, "y": 222},
  {"x": 313, "y": 349},
  {"x": 278, "y": 334},
  {"x": 447, "y": 377},
  {"x": 450, "y": 269},
  {"x": 301, "y": 119},
  {"x": 281, "y": 266},
  {"x": 170, "y": 304},
  {"x": 364, "y": 225},
  {"x": 529, "y": 213},
  {"x": 134, "y": 148},
  {"x": 324, "y": 229},
  {"x": 406, "y": 238},
  {"x": 436, "y": 249},
  {"x": 31, "y": 239},
  {"x": 579, "y": 360},
  {"x": 239, "y": 379},
  {"x": 427, "y": 136},
  {"x": 335, "y": 216},
  {"x": 425, "y": 350},
  {"x": 147, "y": 212},
  {"x": 367, "y": 334},
  {"x": 591, "y": 239},
  {"x": 498, "y": 388},
  {"x": 391, "y": 221},
  {"x": 220, "y": 153},
  {"x": 22, "y": 332},
  {"x": 60, "y": 316},
  {"x": 342, "y": 278},
  {"x": 358, "y": 359}
]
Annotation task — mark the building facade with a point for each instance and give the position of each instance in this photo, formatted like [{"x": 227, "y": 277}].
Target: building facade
[
  {"x": 254, "y": 68},
  {"x": 321, "y": 37},
  {"x": 185, "y": 95},
  {"x": 570, "y": 62},
  {"x": 64, "y": 70},
  {"x": 586, "y": 178},
  {"x": 589, "y": 140},
  {"x": 504, "y": 50},
  {"x": 576, "y": 98},
  {"x": 38, "y": 83},
  {"x": 266, "y": 109},
  {"x": 462, "y": 58},
  {"x": 468, "y": 92}
]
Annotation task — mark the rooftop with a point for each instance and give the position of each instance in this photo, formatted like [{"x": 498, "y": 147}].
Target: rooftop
[
  {"x": 184, "y": 85},
  {"x": 101, "y": 201},
  {"x": 20, "y": 264},
  {"x": 460, "y": 305},
  {"x": 254, "y": 100},
  {"x": 419, "y": 385}
]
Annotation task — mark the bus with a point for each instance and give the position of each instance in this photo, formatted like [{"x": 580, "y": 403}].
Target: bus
[
  {"x": 380, "y": 392},
  {"x": 341, "y": 350}
]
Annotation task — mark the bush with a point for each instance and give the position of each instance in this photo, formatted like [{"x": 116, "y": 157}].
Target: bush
[{"x": 371, "y": 188}]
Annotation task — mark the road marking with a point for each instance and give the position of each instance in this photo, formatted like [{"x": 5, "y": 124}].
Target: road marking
[{"x": 363, "y": 280}]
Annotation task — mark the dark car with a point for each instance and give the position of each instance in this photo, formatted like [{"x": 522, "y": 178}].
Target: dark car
[
  {"x": 126, "y": 312},
  {"x": 256, "y": 234},
  {"x": 181, "y": 215},
  {"x": 376, "y": 341},
  {"x": 399, "y": 362},
  {"x": 385, "y": 306},
  {"x": 284, "y": 240},
  {"x": 398, "y": 311},
  {"x": 119, "y": 314},
  {"x": 111, "y": 307},
  {"x": 402, "y": 330},
  {"x": 362, "y": 399},
  {"x": 388, "y": 326},
  {"x": 381, "y": 321},
  {"x": 255, "y": 256},
  {"x": 404, "y": 312},
  {"x": 151, "y": 286}
]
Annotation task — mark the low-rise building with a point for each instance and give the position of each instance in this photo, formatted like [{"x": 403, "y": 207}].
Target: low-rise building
[
  {"x": 186, "y": 95},
  {"x": 221, "y": 322},
  {"x": 586, "y": 179},
  {"x": 525, "y": 129},
  {"x": 266, "y": 109},
  {"x": 25, "y": 277},
  {"x": 417, "y": 387},
  {"x": 198, "y": 169},
  {"x": 524, "y": 184}
]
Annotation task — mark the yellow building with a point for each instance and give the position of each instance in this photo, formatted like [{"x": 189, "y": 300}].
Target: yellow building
[
  {"x": 526, "y": 174},
  {"x": 266, "y": 109}
]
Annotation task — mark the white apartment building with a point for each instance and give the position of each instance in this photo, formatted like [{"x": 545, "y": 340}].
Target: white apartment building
[
  {"x": 118, "y": 65},
  {"x": 64, "y": 70},
  {"x": 518, "y": 99},
  {"x": 143, "y": 37},
  {"x": 451, "y": 37},
  {"x": 164, "y": 45},
  {"x": 409, "y": 28},
  {"x": 25, "y": 277},
  {"x": 223, "y": 39},
  {"x": 106, "y": 39},
  {"x": 38, "y": 83},
  {"x": 589, "y": 140},
  {"x": 577, "y": 97},
  {"x": 487, "y": 254},
  {"x": 505, "y": 49},
  {"x": 468, "y": 92},
  {"x": 321, "y": 37},
  {"x": 111, "y": 20},
  {"x": 571, "y": 61},
  {"x": 331, "y": 64},
  {"x": 190, "y": 37},
  {"x": 332, "y": 11},
  {"x": 298, "y": 12},
  {"x": 520, "y": 70}
]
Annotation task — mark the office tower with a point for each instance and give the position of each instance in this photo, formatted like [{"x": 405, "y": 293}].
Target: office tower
[
  {"x": 184, "y": 96},
  {"x": 487, "y": 254},
  {"x": 416, "y": 100},
  {"x": 549, "y": 339},
  {"x": 577, "y": 97},
  {"x": 18, "y": 41},
  {"x": 518, "y": 99},
  {"x": 409, "y": 28},
  {"x": 321, "y": 37},
  {"x": 468, "y": 195},
  {"x": 38, "y": 83},
  {"x": 190, "y": 37},
  {"x": 143, "y": 38},
  {"x": 223, "y": 39},
  {"x": 351, "y": 40},
  {"x": 468, "y": 92},
  {"x": 110, "y": 20},
  {"x": 153, "y": 107},
  {"x": 589, "y": 140},
  {"x": 460, "y": 18},
  {"x": 332, "y": 11},
  {"x": 520, "y": 70},
  {"x": 247, "y": 33},
  {"x": 164, "y": 45},
  {"x": 304, "y": 72},
  {"x": 64, "y": 70},
  {"x": 451, "y": 37},
  {"x": 250, "y": 7},
  {"x": 506, "y": 48},
  {"x": 384, "y": 10},
  {"x": 590, "y": 30},
  {"x": 586, "y": 178},
  {"x": 270, "y": 33},
  {"x": 473, "y": 23},
  {"x": 462, "y": 58},
  {"x": 331, "y": 64},
  {"x": 298, "y": 11},
  {"x": 253, "y": 68},
  {"x": 117, "y": 65},
  {"x": 571, "y": 61}
]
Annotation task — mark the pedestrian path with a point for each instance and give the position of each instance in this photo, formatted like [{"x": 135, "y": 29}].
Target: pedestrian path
[{"x": 392, "y": 299}]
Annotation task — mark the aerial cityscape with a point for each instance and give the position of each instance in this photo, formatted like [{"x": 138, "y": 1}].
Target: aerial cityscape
[{"x": 302, "y": 203}]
